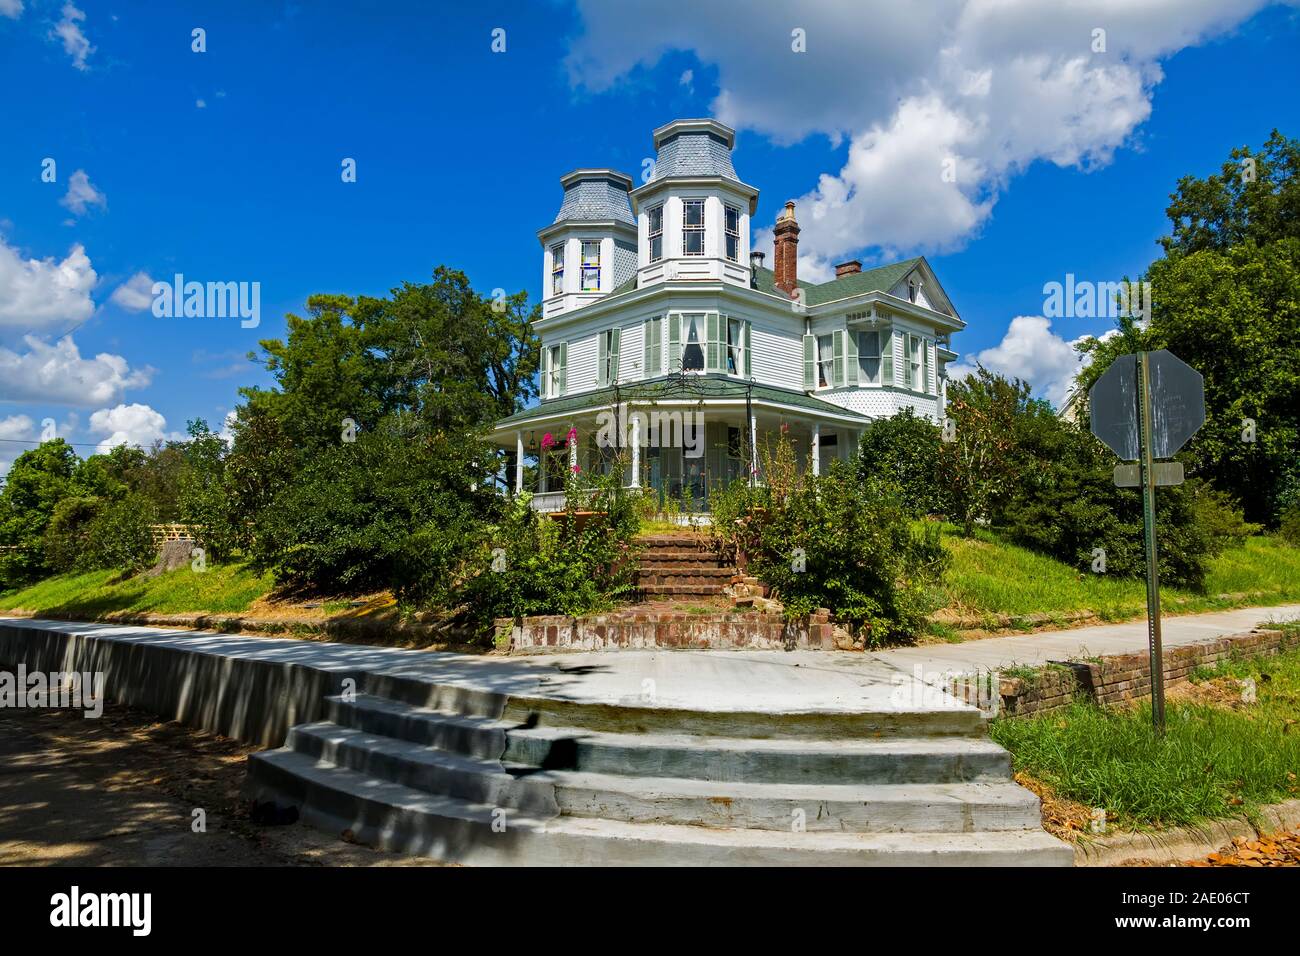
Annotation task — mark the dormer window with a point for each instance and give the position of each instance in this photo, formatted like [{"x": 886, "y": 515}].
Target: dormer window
[
  {"x": 557, "y": 269},
  {"x": 591, "y": 265},
  {"x": 656, "y": 223},
  {"x": 733, "y": 233},
  {"x": 693, "y": 227}
]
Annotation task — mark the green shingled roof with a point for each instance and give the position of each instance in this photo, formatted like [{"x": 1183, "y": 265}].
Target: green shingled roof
[
  {"x": 880, "y": 279},
  {"x": 674, "y": 387}
]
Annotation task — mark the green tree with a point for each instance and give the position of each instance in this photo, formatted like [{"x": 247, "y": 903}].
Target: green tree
[
  {"x": 904, "y": 449},
  {"x": 977, "y": 467},
  {"x": 38, "y": 480},
  {"x": 1226, "y": 300}
]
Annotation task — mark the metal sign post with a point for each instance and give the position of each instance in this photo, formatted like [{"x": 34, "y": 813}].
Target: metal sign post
[
  {"x": 1147, "y": 467},
  {"x": 1145, "y": 407}
]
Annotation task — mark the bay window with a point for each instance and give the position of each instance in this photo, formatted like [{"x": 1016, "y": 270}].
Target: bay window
[
  {"x": 591, "y": 265},
  {"x": 693, "y": 227},
  {"x": 733, "y": 233},
  {"x": 825, "y": 360},
  {"x": 557, "y": 269},
  {"x": 655, "y": 216},
  {"x": 869, "y": 356}
]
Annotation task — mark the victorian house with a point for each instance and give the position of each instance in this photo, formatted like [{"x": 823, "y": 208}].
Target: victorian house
[{"x": 671, "y": 351}]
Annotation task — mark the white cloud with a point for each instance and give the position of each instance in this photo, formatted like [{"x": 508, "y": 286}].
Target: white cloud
[
  {"x": 82, "y": 194},
  {"x": 135, "y": 294},
  {"x": 227, "y": 433},
  {"x": 201, "y": 104},
  {"x": 57, "y": 374},
  {"x": 133, "y": 424},
  {"x": 16, "y": 428},
  {"x": 12, "y": 9},
  {"x": 976, "y": 88},
  {"x": 75, "y": 43},
  {"x": 37, "y": 293},
  {"x": 1030, "y": 350}
]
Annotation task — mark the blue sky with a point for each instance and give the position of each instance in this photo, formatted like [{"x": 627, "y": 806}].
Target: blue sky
[{"x": 225, "y": 165}]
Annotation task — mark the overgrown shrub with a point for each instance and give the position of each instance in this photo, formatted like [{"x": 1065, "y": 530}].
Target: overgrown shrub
[
  {"x": 1289, "y": 527},
  {"x": 120, "y": 536},
  {"x": 386, "y": 511},
  {"x": 1065, "y": 504},
  {"x": 1220, "y": 518},
  {"x": 575, "y": 562},
  {"x": 904, "y": 449},
  {"x": 835, "y": 541},
  {"x": 67, "y": 537}
]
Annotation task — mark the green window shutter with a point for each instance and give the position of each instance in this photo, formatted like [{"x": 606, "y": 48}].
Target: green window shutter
[
  {"x": 563, "y": 384},
  {"x": 749, "y": 355},
  {"x": 675, "y": 342},
  {"x": 713, "y": 361},
  {"x": 887, "y": 359},
  {"x": 809, "y": 362},
  {"x": 650, "y": 357},
  {"x": 545, "y": 372},
  {"x": 616, "y": 356},
  {"x": 602, "y": 360},
  {"x": 837, "y": 359}
]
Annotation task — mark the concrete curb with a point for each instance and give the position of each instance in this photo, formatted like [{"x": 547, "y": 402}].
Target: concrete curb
[{"x": 1185, "y": 843}]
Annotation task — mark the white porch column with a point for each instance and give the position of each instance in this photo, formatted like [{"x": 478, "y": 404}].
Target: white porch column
[
  {"x": 519, "y": 462},
  {"x": 816, "y": 448},
  {"x": 573, "y": 453},
  {"x": 636, "y": 450},
  {"x": 753, "y": 450}
]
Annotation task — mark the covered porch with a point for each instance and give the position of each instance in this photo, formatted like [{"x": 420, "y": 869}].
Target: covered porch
[{"x": 679, "y": 441}]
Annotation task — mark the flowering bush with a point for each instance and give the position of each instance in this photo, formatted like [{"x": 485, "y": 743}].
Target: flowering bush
[{"x": 575, "y": 562}]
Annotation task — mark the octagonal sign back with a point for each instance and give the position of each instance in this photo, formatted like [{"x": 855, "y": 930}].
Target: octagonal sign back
[{"x": 1177, "y": 404}]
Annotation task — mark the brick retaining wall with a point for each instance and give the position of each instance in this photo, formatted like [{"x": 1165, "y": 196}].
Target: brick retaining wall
[
  {"x": 668, "y": 629},
  {"x": 1124, "y": 677}
]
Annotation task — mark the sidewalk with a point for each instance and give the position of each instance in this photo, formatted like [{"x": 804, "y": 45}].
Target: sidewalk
[{"x": 999, "y": 652}]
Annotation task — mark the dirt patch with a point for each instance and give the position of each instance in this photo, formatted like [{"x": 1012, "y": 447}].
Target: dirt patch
[
  {"x": 1270, "y": 850},
  {"x": 1228, "y": 693},
  {"x": 121, "y": 790},
  {"x": 1064, "y": 819}
]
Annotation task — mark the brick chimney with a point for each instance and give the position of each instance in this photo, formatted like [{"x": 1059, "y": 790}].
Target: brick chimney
[
  {"x": 786, "y": 259},
  {"x": 848, "y": 268}
]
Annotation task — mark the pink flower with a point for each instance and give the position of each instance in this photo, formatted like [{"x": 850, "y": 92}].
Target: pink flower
[
  {"x": 548, "y": 440},
  {"x": 577, "y": 468},
  {"x": 573, "y": 435}
]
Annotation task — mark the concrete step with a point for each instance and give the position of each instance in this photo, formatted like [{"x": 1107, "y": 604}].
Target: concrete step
[
  {"x": 850, "y": 808},
  {"x": 485, "y": 736},
  {"x": 938, "y": 759},
  {"x": 403, "y": 819},
  {"x": 730, "y": 759},
  {"x": 424, "y": 768},
  {"x": 857, "y": 808}
]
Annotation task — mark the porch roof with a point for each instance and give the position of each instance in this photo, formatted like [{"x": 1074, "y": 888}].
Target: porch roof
[{"x": 678, "y": 388}]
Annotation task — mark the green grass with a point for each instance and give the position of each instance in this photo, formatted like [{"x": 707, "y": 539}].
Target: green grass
[
  {"x": 991, "y": 576},
  {"x": 220, "y": 589},
  {"x": 1212, "y": 762}
]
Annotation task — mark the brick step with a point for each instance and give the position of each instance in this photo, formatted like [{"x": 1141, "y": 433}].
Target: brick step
[
  {"x": 673, "y": 541},
  {"x": 681, "y": 590},
  {"x": 657, "y": 556},
  {"x": 677, "y": 571}
]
